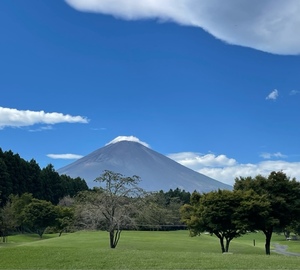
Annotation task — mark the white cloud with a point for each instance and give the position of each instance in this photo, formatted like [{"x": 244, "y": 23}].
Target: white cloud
[
  {"x": 21, "y": 118},
  {"x": 226, "y": 169},
  {"x": 271, "y": 25},
  {"x": 272, "y": 155},
  {"x": 128, "y": 138},
  {"x": 64, "y": 156},
  {"x": 294, "y": 92},
  {"x": 273, "y": 95},
  {"x": 190, "y": 159}
]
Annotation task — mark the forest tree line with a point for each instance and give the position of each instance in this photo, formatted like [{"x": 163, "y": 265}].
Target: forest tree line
[{"x": 18, "y": 176}]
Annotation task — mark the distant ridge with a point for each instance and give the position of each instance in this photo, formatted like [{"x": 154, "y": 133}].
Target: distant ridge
[{"x": 157, "y": 171}]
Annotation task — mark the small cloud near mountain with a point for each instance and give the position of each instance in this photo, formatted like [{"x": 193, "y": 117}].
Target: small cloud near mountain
[
  {"x": 129, "y": 139},
  {"x": 64, "y": 156}
]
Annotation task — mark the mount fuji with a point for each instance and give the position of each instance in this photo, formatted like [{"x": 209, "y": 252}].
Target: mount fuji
[{"x": 157, "y": 172}]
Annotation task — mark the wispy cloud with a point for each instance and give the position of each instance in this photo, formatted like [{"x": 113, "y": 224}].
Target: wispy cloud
[
  {"x": 20, "y": 118},
  {"x": 273, "y": 95},
  {"x": 41, "y": 129},
  {"x": 271, "y": 25},
  {"x": 272, "y": 155},
  {"x": 128, "y": 138},
  {"x": 226, "y": 170},
  {"x": 294, "y": 92},
  {"x": 64, "y": 156},
  {"x": 97, "y": 129}
]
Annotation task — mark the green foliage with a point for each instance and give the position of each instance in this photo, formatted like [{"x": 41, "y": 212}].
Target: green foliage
[
  {"x": 6, "y": 187},
  {"x": 8, "y": 221},
  {"x": 267, "y": 204},
  {"x": 18, "y": 176},
  {"x": 38, "y": 215},
  {"x": 181, "y": 195},
  {"x": 216, "y": 213},
  {"x": 272, "y": 204},
  {"x": 18, "y": 204},
  {"x": 51, "y": 184},
  {"x": 64, "y": 219},
  {"x": 159, "y": 211},
  {"x": 295, "y": 227}
]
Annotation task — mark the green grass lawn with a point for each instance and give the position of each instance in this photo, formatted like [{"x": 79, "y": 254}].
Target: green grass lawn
[{"x": 140, "y": 250}]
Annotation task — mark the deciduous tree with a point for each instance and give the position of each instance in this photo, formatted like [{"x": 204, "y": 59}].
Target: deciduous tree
[
  {"x": 274, "y": 204},
  {"x": 116, "y": 201},
  {"x": 8, "y": 220},
  {"x": 159, "y": 212},
  {"x": 18, "y": 204},
  {"x": 38, "y": 215},
  {"x": 65, "y": 218},
  {"x": 216, "y": 213}
]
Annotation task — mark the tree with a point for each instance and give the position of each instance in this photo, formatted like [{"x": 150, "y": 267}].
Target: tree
[
  {"x": 65, "y": 218},
  {"x": 34, "y": 185},
  {"x": 8, "y": 220},
  {"x": 71, "y": 186},
  {"x": 274, "y": 204},
  {"x": 18, "y": 176},
  {"x": 182, "y": 195},
  {"x": 116, "y": 201},
  {"x": 18, "y": 204},
  {"x": 294, "y": 228},
  {"x": 215, "y": 213},
  {"x": 159, "y": 212},
  {"x": 38, "y": 215},
  {"x": 6, "y": 186},
  {"x": 51, "y": 185}
]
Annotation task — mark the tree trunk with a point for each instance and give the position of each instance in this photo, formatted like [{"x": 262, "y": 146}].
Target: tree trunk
[
  {"x": 268, "y": 234},
  {"x": 286, "y": 233},
  {"x": 222, "y": 243},
  {"x": 40, "y": 232},
  {"x": 112, "y": 238},
  {"x": 227, "y": 244}
]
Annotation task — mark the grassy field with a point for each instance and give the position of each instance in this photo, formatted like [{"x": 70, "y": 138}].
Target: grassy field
[{"x": 141, "y": 250}]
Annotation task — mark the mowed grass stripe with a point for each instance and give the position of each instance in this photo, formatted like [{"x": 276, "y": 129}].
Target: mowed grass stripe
[{"x": 141, "y": 250}]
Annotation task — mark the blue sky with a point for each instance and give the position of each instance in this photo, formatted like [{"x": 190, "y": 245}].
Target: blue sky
[{"x": 214, "y": 87}]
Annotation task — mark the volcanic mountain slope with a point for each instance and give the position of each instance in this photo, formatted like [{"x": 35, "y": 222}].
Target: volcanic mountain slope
[{"x": 157, "y": 171}]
